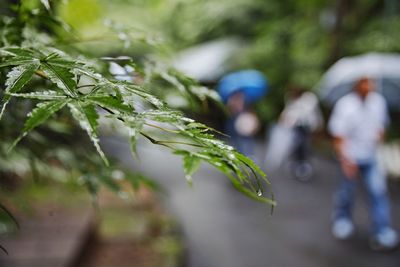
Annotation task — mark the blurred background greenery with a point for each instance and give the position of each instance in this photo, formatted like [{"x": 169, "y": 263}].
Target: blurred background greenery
[{"x": 291, "y": 42}]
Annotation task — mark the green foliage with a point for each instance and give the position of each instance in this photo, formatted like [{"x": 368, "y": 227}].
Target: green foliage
[
  {"x": 79, "y": 13},
  {"x": 291, "y": 42},
  {"x": 16, "y": 80},
  {"x": 53, "y": 77},
  {"x": 39, "y": 115},
  {"x": 190, "y": 165}
]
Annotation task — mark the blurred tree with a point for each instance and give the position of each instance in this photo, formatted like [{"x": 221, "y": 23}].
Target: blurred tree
[{"x": 290, "y": 41}]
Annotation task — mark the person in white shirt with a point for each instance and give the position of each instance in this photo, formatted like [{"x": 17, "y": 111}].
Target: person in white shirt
[{"x": 357, "y": 125}]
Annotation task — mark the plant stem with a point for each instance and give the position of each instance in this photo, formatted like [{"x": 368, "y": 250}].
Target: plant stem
[{"x": 162, "y": 128}]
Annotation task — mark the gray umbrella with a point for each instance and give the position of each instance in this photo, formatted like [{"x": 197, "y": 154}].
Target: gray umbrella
[
  {"x": 207, "y": 62},
  {"x": 384, "y": 68}
]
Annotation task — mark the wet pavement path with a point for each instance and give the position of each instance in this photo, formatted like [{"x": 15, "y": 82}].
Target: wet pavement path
[{"x": 226, "y": 229}]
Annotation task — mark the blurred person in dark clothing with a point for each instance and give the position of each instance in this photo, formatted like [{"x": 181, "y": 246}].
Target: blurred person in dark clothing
[
  {"x": 302, "y": 116},
  {"x": 239, "y": 90},
  {"x": 357, "y": 125},
  {"x": 242, "y": 124}
]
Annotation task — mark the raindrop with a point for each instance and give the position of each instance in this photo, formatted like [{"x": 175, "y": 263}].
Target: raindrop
[
  {"x": 189, "y": 179},
  {"x": 259, "y": 193}
]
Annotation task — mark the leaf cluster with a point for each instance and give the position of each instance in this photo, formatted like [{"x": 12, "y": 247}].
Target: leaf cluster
[{"x": 99, "y": 96}]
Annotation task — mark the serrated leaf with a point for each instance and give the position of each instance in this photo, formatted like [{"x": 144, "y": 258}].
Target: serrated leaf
[
  {"x": 43, "y": 95},
  {"x": 191, "y": 164},
  {"x": 87, "y": 117},
  {"x": 19, "y": 76},
  {"x": 110, "y": 102},
  {"x": 38, "y": 116},
  {"x": 62, "y": 77},
  {"x": 169, "y": 116},
  {"x": 249, "y": 193},
  {"x": 16, "y": 61},
  {"x": 55, "y": 59},
  {"x": 227, "y": 170},
  {"x": 82, "y": 69},
  {"x": 17, "y": 51},
  {"x": 135, "y": 126},
  {"x": 151, "y": 99},
  {"x": 16, "y": 79},
  {"x": 116, "y": 97},
  {"x": 251, "y": 165},
  {"x": 129, "y": 88}
]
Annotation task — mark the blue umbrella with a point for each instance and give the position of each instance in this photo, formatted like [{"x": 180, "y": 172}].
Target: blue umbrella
[{"x": 252, "y": 83}]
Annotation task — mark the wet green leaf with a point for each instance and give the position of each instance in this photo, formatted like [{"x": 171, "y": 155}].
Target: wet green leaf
[
  {"x": 16, "y": 80},
  {"x": 191, "y": 163},
  {"x": 62, "y": 77},
  {"x": 87, "y": 117},
  {"x": 39, "y": 115},
  {"x": 112, "y": 103},
  {"x": 41, "y": 95}
]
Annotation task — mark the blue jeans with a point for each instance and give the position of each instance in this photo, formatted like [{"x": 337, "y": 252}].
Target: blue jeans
[{"x": 375, "y": 183}]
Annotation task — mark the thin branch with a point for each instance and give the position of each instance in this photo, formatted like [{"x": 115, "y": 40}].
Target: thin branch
[
  {"x": 158, "y": 142},
  {"x": 3, "y": 249},
  {"x": 87, "y": 85},
  {"x": 10, "y": 215},
  {"x": 41, "y": 74},
  {"x": 179, "y": 143},
  {"x": 162, "y": 128},
  {"x": 154, "y": 141},
  {"x": 166, "y": 142}
]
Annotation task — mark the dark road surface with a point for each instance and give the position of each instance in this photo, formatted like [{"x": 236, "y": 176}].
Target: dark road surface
[{"x": 225, "y": 229}]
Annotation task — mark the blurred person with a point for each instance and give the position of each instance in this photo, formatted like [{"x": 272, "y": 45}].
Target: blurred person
[
  {"x": 242, "y": 124},
  {"x": 357, "y": 125},
  {"x": 302, "y": 116},
  {"x": 239, "y": 90}
]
